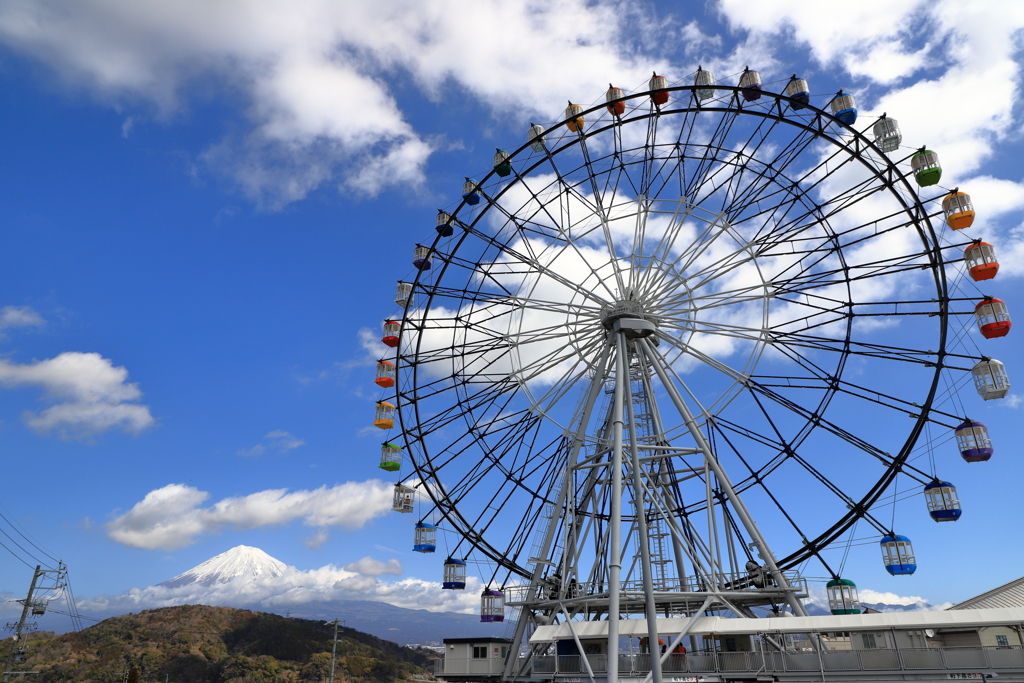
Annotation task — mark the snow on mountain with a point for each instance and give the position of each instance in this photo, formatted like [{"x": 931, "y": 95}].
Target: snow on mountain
[{"x": 242, "y": 561}]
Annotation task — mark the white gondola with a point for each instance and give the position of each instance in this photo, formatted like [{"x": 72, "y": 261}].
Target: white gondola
[
  {"x": 990, "y": 379},
  {"x": 887, "y": 134},
  {"x": 704, "y": 80},
  {"x": 536, "y": 136},
  {"x": 404, "y": 499},
  {"x": 403, "y": 294}
]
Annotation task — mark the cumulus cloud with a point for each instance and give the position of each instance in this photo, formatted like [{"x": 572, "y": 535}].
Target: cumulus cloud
[
  {"x": 278, "y": 441},
  {"x": 173, "y": 516},
  {"x": 314, "y": 75},
  {"x": 88, "y": 393},
  {"x": 371, "y": 567},
  {"x": 884, "y": 45},
  {"x": 19, "y": 316}
]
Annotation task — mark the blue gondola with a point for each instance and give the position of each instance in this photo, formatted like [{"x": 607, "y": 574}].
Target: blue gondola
[
  {"x": 943, "y": 504},
  {"x": 799, "y": 92},
  {"x": 425, "y": 540},
  {"x": 454, "y": 574},
  {"x": 444, "y": 223},
  {"x": 844, "y": 108},
  {"x": 898, "y": 555},
  {"x": 469, "y": 192}
]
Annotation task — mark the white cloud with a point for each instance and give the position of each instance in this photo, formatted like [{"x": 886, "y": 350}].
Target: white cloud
[
  {"x": 296, "y": 588},
  {"x": 314, "y": 75},
  {"x": 848, "y": 37},
  {"x": 19, "y": 316},
  {"x": 316, "y": 541},
  {"x": 278, "y": 441},
  {"x": 967, "y": 47},
  {"x": 90, "y": 395},
  {"x": 371, "y": 567},
  {"x": 171, "y": 517}
]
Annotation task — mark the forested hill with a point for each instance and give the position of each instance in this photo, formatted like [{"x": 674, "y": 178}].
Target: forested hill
[{"x": 200, "y": 644}]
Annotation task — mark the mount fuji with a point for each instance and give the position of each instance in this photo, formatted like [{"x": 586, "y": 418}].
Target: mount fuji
[
  {"x": 248, "y": 578},
  {"x": 241, "y": 562}
]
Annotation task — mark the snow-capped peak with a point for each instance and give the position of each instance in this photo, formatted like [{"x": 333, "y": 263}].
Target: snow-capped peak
[{"x": 241, "y": 561}]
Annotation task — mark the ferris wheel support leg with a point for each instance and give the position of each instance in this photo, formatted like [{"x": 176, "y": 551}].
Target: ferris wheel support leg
[
  {"x": 662, "y": 480},
  {"x": 641, "y": 518},
  {"x": 723, "y": 479},
  {"x": 615, "y": 513},
  {"x": 601, "y": 372}
]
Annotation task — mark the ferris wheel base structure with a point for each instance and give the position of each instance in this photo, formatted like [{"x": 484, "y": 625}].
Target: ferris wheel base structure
[{"x": 969, "y": 644}]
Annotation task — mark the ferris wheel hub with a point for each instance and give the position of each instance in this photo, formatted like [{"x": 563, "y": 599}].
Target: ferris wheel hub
[
  {"x": 627, "y": 308},
  {"x": 628, "y": 317}
]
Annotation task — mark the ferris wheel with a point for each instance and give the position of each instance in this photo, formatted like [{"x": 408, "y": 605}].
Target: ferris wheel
[{"x": 674, "y": 324}]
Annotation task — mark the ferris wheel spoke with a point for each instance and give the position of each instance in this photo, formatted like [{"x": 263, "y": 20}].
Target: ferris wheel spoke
[
  {"x": 824, "y": 209},
  {"x": 759, "y": 476},
  {"x": 510, "y": 439},
  {"x": 561, "y": 387},
  {"x": 820, "y": 422},
  {"x": 806, "y": 281},
  {"x": 775, "y": 168},
  {"x": 748, "y": 151},
  {"x": 710, "y": 156},
  {"x": 799, "y": 144},
  {"x": 822, "y": 380},
  {"x": 540, "y": 269},
  {"x": 602, "y": 216},
  {"x": 556, "y": 225}
]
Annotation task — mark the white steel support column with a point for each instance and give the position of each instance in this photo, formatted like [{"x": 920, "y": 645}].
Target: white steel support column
[
  {"x": 614, "y": 549},
  {"x": 661, "y": 484},
  {"x": 641, "y": 520},
  {"x": 600, "y": 373},
  {"x": 723, "y": 479}
]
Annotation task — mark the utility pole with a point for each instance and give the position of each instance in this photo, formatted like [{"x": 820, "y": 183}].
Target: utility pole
[
  {"x": 334, "y": 647},
  {"x": 33, "y": 608}
]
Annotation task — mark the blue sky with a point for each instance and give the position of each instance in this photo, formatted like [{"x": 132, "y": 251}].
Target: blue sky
[{"x": 206, "y": 208}]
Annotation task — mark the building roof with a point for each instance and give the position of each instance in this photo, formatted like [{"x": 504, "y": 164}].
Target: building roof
[
  {"x": 1008, "y": 595},
  {"x": 965, "y": 619},
  {"x": 481, "y": 639}
]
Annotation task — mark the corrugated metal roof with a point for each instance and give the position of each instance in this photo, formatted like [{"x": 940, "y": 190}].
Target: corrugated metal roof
[
  {"x": 1008, "y": 595},
  {"x": 972, "y": 618}
]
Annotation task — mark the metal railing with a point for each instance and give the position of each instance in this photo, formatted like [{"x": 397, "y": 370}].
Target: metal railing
[
  {"x": 973, "y": 659},
  {"x": 526, "y": 594}
]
